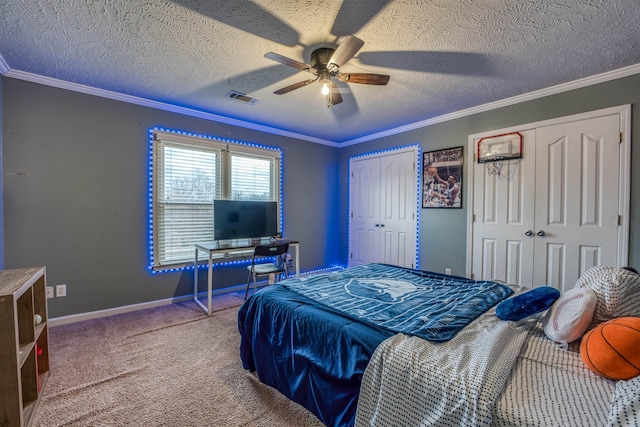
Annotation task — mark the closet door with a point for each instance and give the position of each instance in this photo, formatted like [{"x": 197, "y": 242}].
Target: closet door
[
  {"x": 383, "y": 204},
  {"x": 557, "y": 215},
  {"x": 364, "y": 190},
  {"x": 398, "y": 204},
  {"x": 576, "y": 204},
  {"x": 503, "y": 213}
]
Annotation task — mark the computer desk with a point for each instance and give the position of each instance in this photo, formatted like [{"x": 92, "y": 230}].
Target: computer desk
[{"x": 227, "y": 251}]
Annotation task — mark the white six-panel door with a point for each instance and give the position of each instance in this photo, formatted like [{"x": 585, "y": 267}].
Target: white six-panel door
[
  {"x": 504, "y": 211},
  {"x": 576, "y": 203},
  {"x": 383, "y": 205},
  {"x": 364, "y": 192},
  {"x": 559, "y": 213}
]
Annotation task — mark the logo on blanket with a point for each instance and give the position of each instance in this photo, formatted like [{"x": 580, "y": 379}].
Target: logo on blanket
[{"x": 380, "y": 290}]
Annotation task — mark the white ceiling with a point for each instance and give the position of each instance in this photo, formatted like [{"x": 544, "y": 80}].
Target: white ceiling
[{"x": 443, "y": 55}]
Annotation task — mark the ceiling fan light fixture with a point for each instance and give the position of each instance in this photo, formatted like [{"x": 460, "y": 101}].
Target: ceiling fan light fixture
[
  {"x": 325, "y": 66},
  {"x": 325, "y": 88}
]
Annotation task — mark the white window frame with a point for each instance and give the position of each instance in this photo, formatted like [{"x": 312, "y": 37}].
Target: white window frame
[{"x": 220, "y": 174}]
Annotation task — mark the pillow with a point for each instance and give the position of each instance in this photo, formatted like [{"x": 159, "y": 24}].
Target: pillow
[
  {"x": 617, "y": 289},
  {"x": 625, "y": 405},
  {"x": 611, "y": 348},
  {"x": 570, "y": 315},
  {"x": 528, "y": 303}
]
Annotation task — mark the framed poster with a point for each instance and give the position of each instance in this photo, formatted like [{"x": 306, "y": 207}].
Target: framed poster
[{"x": 442, "y": 178}]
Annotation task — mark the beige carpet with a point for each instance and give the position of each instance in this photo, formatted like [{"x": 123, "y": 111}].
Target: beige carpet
[{"x": 166, "y": 366}]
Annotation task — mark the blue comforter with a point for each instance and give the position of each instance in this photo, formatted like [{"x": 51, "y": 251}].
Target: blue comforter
[
  {"x": 304, "y": 338},
  {"x": 419, "y": 303}
]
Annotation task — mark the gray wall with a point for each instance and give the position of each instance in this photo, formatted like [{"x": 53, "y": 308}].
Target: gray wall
[
  {"x": 75, "y": 189},
  {"x": 443, "y": 232},
  {"x": 75, "y": 196}
]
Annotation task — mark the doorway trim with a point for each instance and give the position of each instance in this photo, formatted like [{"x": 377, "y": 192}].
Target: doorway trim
[{"x": 624, "y": 178}]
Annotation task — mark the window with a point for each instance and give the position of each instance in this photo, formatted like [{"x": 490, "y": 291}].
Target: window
[{"x": 187, "y": 174}]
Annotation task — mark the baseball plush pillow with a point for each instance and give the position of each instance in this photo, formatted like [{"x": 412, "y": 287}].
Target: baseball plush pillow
[{"x": 570, "y": 315}]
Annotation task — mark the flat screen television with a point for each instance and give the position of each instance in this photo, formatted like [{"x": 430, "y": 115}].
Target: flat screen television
[{"x": 241, "y": 219}]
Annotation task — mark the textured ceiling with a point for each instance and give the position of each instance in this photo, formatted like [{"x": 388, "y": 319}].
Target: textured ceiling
[{"x": 442, "y": 55}]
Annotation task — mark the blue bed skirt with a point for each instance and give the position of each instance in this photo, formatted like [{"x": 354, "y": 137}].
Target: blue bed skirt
[{"x": 284, "y": 338}]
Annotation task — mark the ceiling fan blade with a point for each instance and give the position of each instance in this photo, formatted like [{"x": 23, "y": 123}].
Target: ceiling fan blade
[
  {"x": 243, "y": 15},
  {"x": 294, "y": 87},
  {"x": 441, "y": 62},
  {"x": 334, "y": 97},
  {"x": 290, "y": 62},
  {"x": 364, "y": 78},
  {"x": 354, "y": 15},
  {"x": 349, "y": 46}
]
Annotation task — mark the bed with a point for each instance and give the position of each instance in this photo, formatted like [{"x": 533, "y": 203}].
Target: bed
[{"x": 378, "y": 345}]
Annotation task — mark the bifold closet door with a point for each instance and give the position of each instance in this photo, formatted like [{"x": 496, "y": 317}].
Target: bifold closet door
[
  {"x": 364, "y": 191},
  {"x": 383, "y": 203}
]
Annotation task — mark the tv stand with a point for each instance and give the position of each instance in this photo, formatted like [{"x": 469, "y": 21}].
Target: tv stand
[{"x": 224, "y": 250}]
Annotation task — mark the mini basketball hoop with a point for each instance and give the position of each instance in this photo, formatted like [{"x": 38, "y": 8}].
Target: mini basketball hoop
[
  {"x": 504, "y": 169},
  {"x": 501, "y": 154}
]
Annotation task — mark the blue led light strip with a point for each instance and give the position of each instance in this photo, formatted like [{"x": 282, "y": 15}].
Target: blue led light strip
[
  {"x": 151, "y": 267},
  {"x": 418, "y": 194}
]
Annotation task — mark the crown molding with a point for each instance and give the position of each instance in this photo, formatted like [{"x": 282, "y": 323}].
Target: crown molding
[
  {"x": 553, "y": 90},
  {"x": 4, "y": 67},
  {"x": 564, "y": 87},
  {"x": 89, "y": 90}
]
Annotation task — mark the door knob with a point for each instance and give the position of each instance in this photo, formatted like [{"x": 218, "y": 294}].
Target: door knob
[
  {"x": 528, "y": 233},
  {"x": 541, "y": 233}
]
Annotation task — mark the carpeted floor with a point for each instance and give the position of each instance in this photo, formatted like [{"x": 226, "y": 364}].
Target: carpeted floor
[{"x": 166, "y": 366}]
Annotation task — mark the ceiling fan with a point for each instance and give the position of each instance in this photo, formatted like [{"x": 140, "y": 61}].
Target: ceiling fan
[{"x": 325, "y": 66}]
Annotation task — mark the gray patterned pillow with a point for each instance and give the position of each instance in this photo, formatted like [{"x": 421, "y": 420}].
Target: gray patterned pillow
[
  {"x": 617, "y": 289},
  {"x": 625, "y": 405}
]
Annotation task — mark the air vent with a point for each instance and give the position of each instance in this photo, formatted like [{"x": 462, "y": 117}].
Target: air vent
[{"x": 241, "y": 97}]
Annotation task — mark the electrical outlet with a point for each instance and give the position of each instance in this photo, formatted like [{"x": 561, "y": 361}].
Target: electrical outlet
[
  {"x": 61, "y": 290},
  {"x": 447, "y": 271},
  {"x": 49, "y": 291}
]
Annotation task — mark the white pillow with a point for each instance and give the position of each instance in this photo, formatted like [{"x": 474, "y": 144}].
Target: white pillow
[
  {"x": 570, "y": 315},
  {"x": 618, "y": 292}
]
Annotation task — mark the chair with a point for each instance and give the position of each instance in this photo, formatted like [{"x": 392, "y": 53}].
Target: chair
[{"x": 278, "y": 250}]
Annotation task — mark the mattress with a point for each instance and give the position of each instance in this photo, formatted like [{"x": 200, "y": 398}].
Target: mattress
[
  {"x": 550, "y": 386},
  {"x": 312, "y": 338},
  {"x": 488, "y": 377},
  {"x": 350, "y": 365}
]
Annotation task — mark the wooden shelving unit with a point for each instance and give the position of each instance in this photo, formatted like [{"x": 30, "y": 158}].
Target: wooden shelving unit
[{"x": 24, "y": 343}]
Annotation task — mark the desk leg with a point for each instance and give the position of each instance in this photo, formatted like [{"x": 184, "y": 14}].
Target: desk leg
[
  {"x": 209, "y": 282},
  {"x": 297, "y": 260},
  {"x": 195, "y": 276},
  {"x": 195, "y": 283}
]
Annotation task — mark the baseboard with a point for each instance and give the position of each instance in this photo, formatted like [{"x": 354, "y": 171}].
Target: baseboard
[
  {"x": 63, "y": 320},
  {"x": 73, "y": 318}
]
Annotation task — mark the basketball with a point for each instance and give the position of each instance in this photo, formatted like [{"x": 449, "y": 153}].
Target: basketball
[{"x": 611, "y": 348}]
